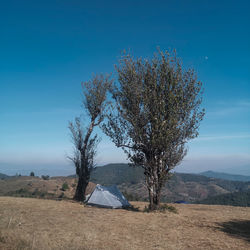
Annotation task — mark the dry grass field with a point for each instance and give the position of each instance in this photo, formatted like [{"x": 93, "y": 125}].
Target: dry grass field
[
  {"x": 27, "y": 223},
  {"x": 52, "y": 186}
]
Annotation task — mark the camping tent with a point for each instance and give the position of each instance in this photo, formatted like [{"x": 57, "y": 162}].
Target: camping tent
[{"x": 107, "y": 197}]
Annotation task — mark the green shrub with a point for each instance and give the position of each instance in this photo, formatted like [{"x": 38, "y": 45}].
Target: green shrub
[
  {"x": 61, "y": 195},
  {"x": 146, "y": 209},
  {"x": 65, "y": 186},
  {"x": 165, "y": 207},
  {"x": 45, "y": 177},
  {"x": 162, "y": 208}
]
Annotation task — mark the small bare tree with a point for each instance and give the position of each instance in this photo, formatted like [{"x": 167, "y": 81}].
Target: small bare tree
[
  {"x": 94, "y": 103},
  {"x": 158, "y": 111}
]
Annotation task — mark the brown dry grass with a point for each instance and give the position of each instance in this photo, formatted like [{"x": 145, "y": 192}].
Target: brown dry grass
[
  {"x": 52, "y": 186},
  {"x": 47, "y": 224}
]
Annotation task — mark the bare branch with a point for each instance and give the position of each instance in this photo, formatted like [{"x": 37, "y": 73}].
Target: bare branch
[{"x": 95, "y": 103}]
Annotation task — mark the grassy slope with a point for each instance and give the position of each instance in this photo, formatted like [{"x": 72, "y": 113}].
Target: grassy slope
[
  {"x": 47, "y": 224},
  {"x": 27, "y": 185},
  {"x": 187, "y": 187}
]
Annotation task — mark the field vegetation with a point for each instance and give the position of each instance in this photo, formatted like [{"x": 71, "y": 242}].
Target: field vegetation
[{"x": 48, "y": 224}]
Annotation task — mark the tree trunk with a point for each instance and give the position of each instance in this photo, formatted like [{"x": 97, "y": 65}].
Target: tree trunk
[
  {"x": 81, "y": 188},
  {"x": 154, "y": 196},
  {"x": 84, "y": 171}
]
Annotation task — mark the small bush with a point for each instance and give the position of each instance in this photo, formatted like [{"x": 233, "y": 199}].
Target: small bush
[
  {"x": 169, "y": 208},
  {"x": 162, "y": 208},
  {"x": 45, "y": 177},
  {"x": 35, "y": 192},
  {"x": 61, "y": 195},
  {"x": 42, "y": 194},
  {"x": 65, "y": 186},
  {"x": 146, "y": 209}
]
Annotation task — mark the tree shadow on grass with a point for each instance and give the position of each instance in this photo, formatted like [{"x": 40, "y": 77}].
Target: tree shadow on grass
[{"x": 237, "y": 228}]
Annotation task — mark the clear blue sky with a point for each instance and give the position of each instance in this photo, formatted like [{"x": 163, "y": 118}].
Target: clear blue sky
[{"x": 47, "y": 48}]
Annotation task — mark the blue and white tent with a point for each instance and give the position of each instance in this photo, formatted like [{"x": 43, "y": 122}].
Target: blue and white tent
[{"x": 110, "y": 197}]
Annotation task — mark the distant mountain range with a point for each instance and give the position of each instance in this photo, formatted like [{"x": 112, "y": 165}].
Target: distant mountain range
[{"x": 224, "y": 176}]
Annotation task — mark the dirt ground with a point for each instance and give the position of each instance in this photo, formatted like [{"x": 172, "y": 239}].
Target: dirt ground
[{"x": 27, "y": 223}]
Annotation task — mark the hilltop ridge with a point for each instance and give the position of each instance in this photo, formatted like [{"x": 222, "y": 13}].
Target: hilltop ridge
[
  {"x": 225, "y": 176},
  {"x": 188, "y": 187}
]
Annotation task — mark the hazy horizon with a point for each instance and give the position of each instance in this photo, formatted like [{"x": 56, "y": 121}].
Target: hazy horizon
[{"x": 65, "y": 170}]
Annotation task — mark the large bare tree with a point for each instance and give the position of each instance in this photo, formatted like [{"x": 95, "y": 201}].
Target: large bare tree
[
  {"x": 157, "y": 112},
  {"x": 94, "y": 103}
]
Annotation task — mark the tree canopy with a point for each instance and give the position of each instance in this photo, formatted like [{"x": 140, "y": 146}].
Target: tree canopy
[{"x": 157, "y": 112}]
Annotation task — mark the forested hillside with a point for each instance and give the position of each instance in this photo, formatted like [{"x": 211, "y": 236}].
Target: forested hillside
[
  {"x": 116, "y": 174},
  {"x": 233, "y": 199},
  {"x": 188, "y": 187},
  {"x": 191, "y": 188}
]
